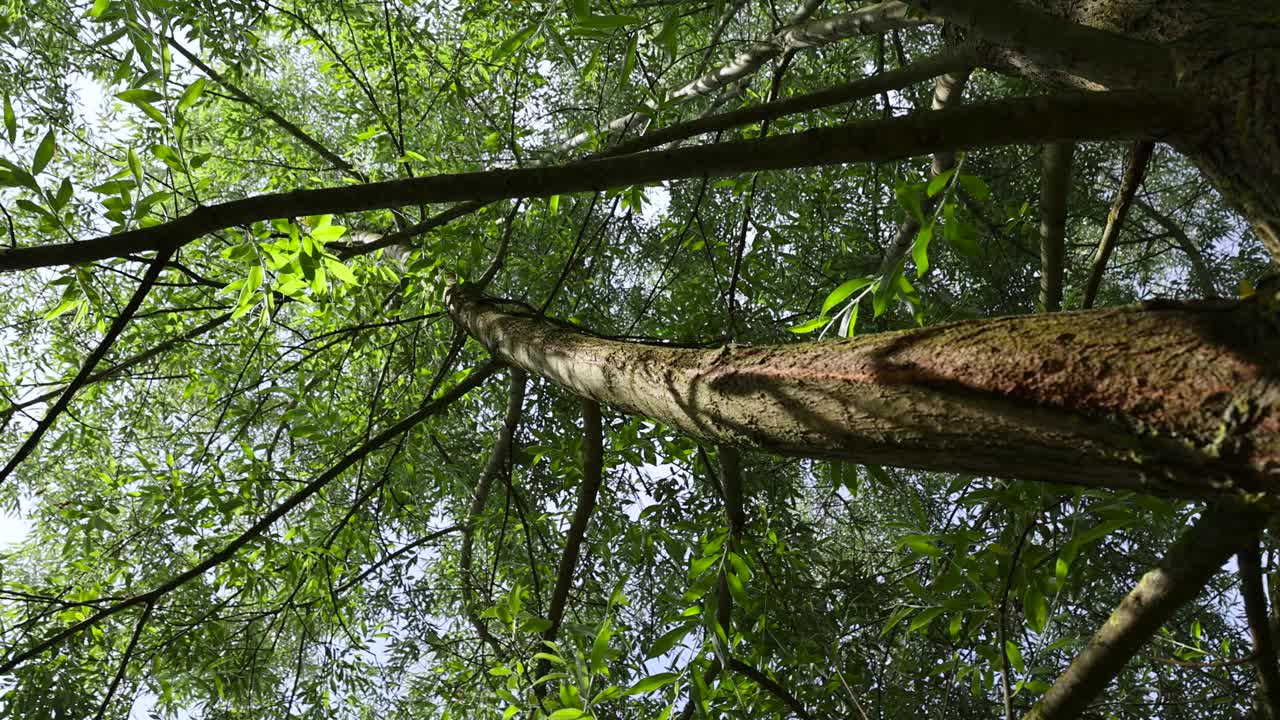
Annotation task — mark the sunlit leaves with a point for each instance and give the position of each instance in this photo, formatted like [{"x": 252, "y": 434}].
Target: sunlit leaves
[{"x": 44, "y": 153}]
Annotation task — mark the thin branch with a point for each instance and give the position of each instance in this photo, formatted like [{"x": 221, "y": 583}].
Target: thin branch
[
  {"x": 499, "y": 456},
  {"x": 869, "y": 20},
  {"x": 774, "y": 688},
  {"x": 1255, "y": 609},
  {"x": 1096, "y": 116},
  {"x": 592, "y": 474},
  {"x": 91, "y": 362},
  {"x": 395, "y": 555},
  {"x": 435, "y": 407},
  {"x": 1190, "y": 563},
  {"x": 298, "y": 133},
  {"x": 948, "y": 92},
  {"x": 124, "y": 661},
  {"x": 1134, "y": 171},
  {"x": 1055, "y": 184},
  {"x": 123, "y": 365},
  {"x": 1199, "y": 270},
  {"x": 947, "y": 61},
  {"x": 731, "y": 491}
]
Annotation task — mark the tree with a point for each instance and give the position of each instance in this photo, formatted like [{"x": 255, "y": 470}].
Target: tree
[{"x": 297, "y": 437}]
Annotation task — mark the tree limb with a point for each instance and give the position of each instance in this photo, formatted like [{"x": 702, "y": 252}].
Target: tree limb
[
  {"x": 1096, "y": 116},
  {"x": 1255, "y": 609},
  {"x": 947, "y": 61},
  {"x": 592, "y": 473},
  {"x": 499, "y": 455},
  {"x": 91, "y": 362},
  {"x": 1190, "y": 563},
  {"x": 970, "y": 396},
  {"x": 1134, "y": 171},
  {"x": 1055, "y": 184},
  {"x": 773, "y": 686},
  {"x": 1199, "y": 270},
  {"x": 948, "y": 91},
  {"x": 435, "y": 407}
]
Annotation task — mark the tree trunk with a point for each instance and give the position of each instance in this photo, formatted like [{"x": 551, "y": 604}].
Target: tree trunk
[{"x": 1172, "y": 398}]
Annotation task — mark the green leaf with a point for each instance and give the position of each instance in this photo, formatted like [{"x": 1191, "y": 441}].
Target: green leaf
[
  {"x": 44, "y": 153},
  {"x": 341, "y": 271},
  {"x": 846, "y": 289},
  {"x": 939, "y": 182},
  {"x": 567, "y": 714},
  {"x": 668, "y": 640},
  {"x": 601, "y": 645},
  {"x": 1015, "y": 656},
  {"x": 140, "y": 95},
  {"x": 923, "y": 619},
  {"x": 515, "y": 42},
  {"x": 810, "y": 326},
  {"x": 920, "y": 249},
  {"x": 150, "y": 111},
  {"x": 63, "y": 195},
  {"x": 628, "y": 62},
  {"x": 668, "y": 36},
  {"x": 10, "y": 120},
  {"x": 1036, "y": 609},
  {"x": 135, "y": 166},
  {"x": 894, "y": 619},
  {"x": 99, "y": 7},
  {"x": 535, "y": 624},
  {"x": 651, "y": 683},
  {"x": 975, "y": 187},
  {"x": 191, "y": 95},
  {"x": 920, "y": 544},
  {"x": 1060, "y": 573}
]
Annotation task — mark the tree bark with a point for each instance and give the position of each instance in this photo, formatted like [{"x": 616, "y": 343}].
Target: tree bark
[{"x": 1179, "y": 399}]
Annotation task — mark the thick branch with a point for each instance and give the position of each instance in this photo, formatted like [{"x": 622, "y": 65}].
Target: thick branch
[
  {"x": 499, "y": 456},
  {"x": 1135, "y": 170},
  {"x": 1097, "y": 116},
  {"x": 1190, "y": 563},
  {"x": 1255, "y": 609},
  {"x": 1047, "y": 397},
  {"x": 435, "y": 407},
  {"x": 1105, "y": 58},
  {"x": 1055, "y": 184},
  {"x": 91, "y": 362}
]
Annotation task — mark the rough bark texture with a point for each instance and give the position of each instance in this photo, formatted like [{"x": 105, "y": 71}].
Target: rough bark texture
[
  {"x": 1189, "y": 564},
  {"x": 1178, "y": 399},
  {"x": 1135, "y": 170},
  {"x": 1055, "y": 184}
]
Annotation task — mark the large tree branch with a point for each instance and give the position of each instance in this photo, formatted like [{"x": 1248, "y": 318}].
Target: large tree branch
[
  {"x": 1055, "y": 184},
  {"x": 1047, "y": 397},
  {"x": 435, "y": 407},
  {"x": 1100, "y": 57},
  {"x": 86, "y": 370},
  {"x": 1097, "y": 116},
  {"x": 1190, "y": 563},
  {"x": 1135, "y": 170}
]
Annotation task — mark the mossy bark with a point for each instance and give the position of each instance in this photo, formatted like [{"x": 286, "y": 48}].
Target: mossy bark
[{"x": 1171, "y": 398}]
